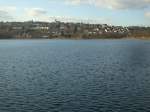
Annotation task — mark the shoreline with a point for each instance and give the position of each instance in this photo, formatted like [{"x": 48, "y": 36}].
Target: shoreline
[{"x": 136, "y": 38}]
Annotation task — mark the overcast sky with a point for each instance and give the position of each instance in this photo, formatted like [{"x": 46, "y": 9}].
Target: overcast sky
[{"x": 116, "y": 12}]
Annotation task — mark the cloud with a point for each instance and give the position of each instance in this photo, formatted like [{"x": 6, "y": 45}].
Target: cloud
[
  {"x": 6, "y": 13},
  {"x": 92, "y": 20},
  {"x": 35, "y": 11},
  {"x": 147, "y": 14},
  {"x": 74, "y": 2},
  {"x": 113, "y": 4},
  {"x": 8, "y": 8},
  {"x": 37, "y": 14},
  {"x": 5, "y": 16}
]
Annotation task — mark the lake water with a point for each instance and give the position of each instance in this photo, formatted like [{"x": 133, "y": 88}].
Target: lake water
[{"x": 74, "y": 76}]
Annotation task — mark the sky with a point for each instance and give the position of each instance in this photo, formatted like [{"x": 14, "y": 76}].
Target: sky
[{"x": 114, "y": 12}]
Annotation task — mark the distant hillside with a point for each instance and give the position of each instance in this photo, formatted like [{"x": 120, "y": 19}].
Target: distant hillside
[{"x": 57, "y": 29}]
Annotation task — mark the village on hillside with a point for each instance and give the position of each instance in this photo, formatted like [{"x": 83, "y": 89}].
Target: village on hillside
[{"x": 58, "y": 29}]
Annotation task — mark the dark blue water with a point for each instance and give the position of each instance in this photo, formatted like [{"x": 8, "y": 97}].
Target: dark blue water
[{"x": 74, "y": 76}]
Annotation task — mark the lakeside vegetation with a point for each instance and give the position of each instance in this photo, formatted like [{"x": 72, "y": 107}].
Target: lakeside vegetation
[{"x": 57, "y": 29}]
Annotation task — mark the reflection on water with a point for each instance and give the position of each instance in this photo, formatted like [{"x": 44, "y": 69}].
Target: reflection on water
[{"x": 74, "y": 76}]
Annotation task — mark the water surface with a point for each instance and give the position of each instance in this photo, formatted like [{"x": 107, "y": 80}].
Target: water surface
[{"x": 74, "y": 76}]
